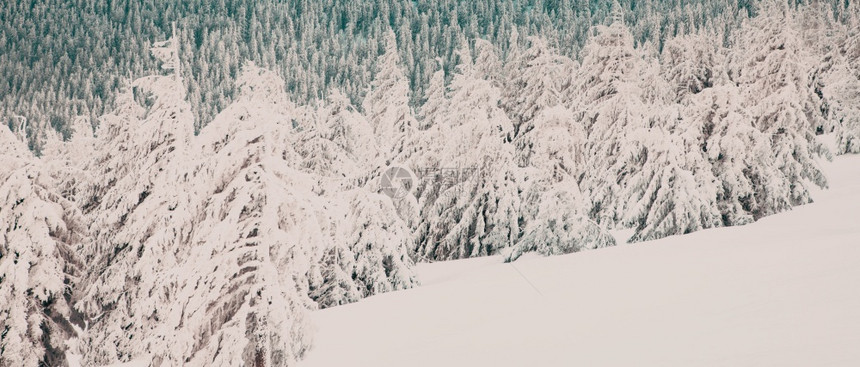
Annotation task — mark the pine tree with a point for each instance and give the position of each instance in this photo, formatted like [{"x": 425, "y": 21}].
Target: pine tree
[
  {"x": 349, "y": 129},
  {"x": 335, "y": 285},
  {"x": 673, "y": 191},
  {"x": 690, "y": 64},
  {"x": 370, "y": 254},
  {"x": 553, "y": 208},
  {"x": 609, "y": 100},
  {"x": 240, "y": 275},
  {"x": 66, "y": 160},
  {"x": 139, "y": 216},
  {"x": 337, "y": 142},
  {"x": 750, "y": 184},
  {"x": 246, "y": 267},
  {"x": 38, "y": 262},
  {"x": 839, "y": 87},
  {"x": 387, "y": 102},
  {"x": 432, "y": 111},
  {"x": 770, "y": 65},
  {"x": 472, "y": 207},
  {"x": 535, "y": 83}
]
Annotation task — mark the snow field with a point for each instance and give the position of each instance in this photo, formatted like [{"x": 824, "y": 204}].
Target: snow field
[{"x": 778, "y": 292}]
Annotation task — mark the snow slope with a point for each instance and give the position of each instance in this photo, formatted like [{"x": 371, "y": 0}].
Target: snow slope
[{"x": 784, "y": 291}]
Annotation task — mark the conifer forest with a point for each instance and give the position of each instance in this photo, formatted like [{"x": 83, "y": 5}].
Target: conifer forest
[{"x": 188, "y": 182}]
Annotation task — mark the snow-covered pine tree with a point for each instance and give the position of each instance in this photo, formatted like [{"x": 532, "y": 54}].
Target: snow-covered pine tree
[
  {"x": 432, "y": 111},
  {"x": 690, "y": 63},
  {"x": 334, "y": 285},
  {"x": 839, "y": 87},
  {"x": 387, "y": 108},
  {"x": 512, "y": 55},
  {"x": 816, "y": 26},
  {"x": 553, "y": 208},
  {"x": 488, "y": 64},
  {"x": 434, "y": 129},
  {"x": 41, "y": 232},
  {"x": 141, "y": 206},
  {"x": 380, "y": 242},
  {"x": 365, "y": 241},
  {"x": 22, "y": 129},
  {"x": 349, "y": 129},
  {"x": 49, "y": 142},
  {"x": 769, "y": 64},
  {"x": 65, "y": 160},
  {"x": 244, "y": 273},
  {"x": 841, "y": 92},
  {"x": 147, "y": 126},
  {"x": 14, "y": 151},
  {"x": 470, "y": 206},
  {"x": 656, "y": 89},
  {"x": 370, "y": 251},
  {"x": 386, "y": 104},
  {"x": 673, "y": 191},
  {"x": 337, "y": 142},
  {"x": 535, "y": 84},
  {"x": 239, "y": 288},
  {"x": 750, "y": 184},
  {"x": 608, "y": 99},
  {"x": 560, "y": 226}
]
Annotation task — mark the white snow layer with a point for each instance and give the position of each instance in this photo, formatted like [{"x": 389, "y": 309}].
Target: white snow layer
[{"x": 784, "y": 291}]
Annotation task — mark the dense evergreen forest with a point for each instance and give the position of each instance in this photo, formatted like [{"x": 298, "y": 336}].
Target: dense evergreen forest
[
  {"x": 63, "y": 59},
  {"x": 182, "y": 182}
]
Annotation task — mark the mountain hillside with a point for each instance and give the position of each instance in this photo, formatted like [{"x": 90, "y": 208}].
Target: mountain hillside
[{"x": 776, "y": 292}]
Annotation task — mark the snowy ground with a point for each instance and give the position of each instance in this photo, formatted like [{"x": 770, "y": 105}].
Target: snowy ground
[{"x": 784, "y": 291}]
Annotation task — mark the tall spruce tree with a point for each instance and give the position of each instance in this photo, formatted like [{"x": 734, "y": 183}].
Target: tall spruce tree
[
  {"x": 769, "y": 64},
  {"x": 41, "y": 234}
]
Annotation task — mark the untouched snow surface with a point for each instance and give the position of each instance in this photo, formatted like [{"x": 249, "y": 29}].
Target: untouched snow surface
[{"x": 784, "y": 291}]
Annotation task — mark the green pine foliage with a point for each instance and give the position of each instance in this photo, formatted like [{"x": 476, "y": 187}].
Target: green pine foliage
[{"x": 61, "y": 59}]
